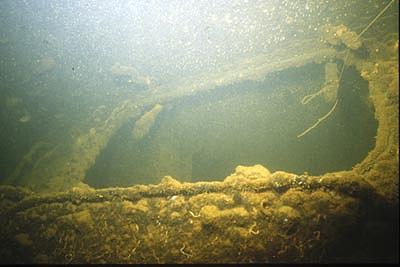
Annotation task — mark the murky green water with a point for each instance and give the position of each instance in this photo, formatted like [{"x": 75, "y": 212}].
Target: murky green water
[
  {"x": 109, "y": 94},
  {"x": 65, "y": 66}
]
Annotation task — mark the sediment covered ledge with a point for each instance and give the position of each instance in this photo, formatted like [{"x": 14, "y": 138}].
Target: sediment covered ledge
[{"x": 252, "y": 216}]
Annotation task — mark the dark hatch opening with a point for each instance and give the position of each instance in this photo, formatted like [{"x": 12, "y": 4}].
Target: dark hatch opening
[{"x": 206, "y": 135}]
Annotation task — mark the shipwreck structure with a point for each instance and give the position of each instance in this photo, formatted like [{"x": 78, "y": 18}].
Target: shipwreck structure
[{"x": 50, "y": 215}]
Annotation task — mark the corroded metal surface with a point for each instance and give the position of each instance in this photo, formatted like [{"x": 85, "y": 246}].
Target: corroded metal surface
[{"x": 252, "y": 216}]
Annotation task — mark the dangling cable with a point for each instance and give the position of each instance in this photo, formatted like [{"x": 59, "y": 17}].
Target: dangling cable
[{"x": 308, "y": 98}]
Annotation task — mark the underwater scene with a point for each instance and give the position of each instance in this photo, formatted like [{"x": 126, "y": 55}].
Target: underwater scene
[{"x": 172, "y": 131}]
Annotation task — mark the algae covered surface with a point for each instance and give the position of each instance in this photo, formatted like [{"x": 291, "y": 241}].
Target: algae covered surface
[
  {"x": 199, "y": 132},
  {"x": 252, "y": 216}
]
